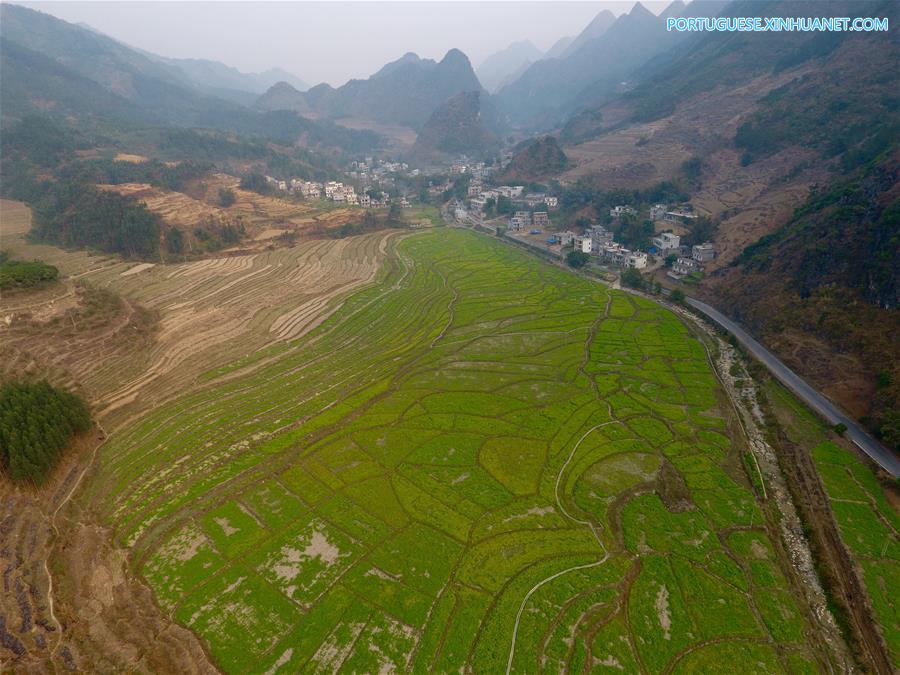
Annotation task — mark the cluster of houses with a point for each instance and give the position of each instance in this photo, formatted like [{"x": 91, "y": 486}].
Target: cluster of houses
[
  {"x": 526, "y": 220},
  {"x": 479, "y": 195},
  {"x": 598, "y": 241},
  {"x": 334, "y": 191}
]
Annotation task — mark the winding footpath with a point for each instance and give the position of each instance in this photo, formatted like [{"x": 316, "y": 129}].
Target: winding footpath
[
  {"x": 881, "y": 455},
  {"x": 562, "y": 509}
]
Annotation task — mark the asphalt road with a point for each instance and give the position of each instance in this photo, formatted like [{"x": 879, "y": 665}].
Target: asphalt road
[{"x": 881, "y": 455}]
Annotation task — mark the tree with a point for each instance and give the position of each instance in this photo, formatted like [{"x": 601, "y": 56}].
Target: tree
[
  {"x": 36, "y": 423},
  {"x": 634, "y": 232},
  {"x": 394, "y": 216},
  {"x": 227, "y": 197},
  {"x": 677, "y": 296},
  {"x": 577, "y": 259},
  {"x": 256, "y": 182},
  {"x": 174, "y": 238},
  {"x": 370, "y": 222},
  {"x": 670, "y": 259},
  {"x": 840, "y": 428},
  {"x": 504, "y": 205},
  {"x": 632, "y": 278}
]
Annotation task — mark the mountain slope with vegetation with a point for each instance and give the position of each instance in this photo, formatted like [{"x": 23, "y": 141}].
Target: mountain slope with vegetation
[
  {"x": 790, "y": 139},
  {"x": 537, "y": 160},
  {"x": 456, "y": 128}
]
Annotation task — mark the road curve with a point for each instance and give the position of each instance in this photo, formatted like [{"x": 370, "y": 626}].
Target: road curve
[{"x": 881, "y": 455}]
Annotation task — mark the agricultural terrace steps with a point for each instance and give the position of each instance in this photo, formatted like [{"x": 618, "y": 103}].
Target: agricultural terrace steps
[{"x": 431, "y": 467}]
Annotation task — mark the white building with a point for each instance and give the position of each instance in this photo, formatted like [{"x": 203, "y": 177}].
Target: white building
[
  {"x": 551, "y": 202},
  {"x": 619, "y": 211},
  {"x": 703, "y": 252},
  {"x": 636, "y": 260},
  {"x": 666, "y": 243},
  {"x": 684, "y": 266},
  {"x": 541, "y": 219},
  {"x": 582, "y": 243}
]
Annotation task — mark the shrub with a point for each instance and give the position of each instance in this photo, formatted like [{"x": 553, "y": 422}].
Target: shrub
[
  {"x": 632, "y": 278},
  {"x": 577, "y": 259},
  {"x": 22, "y": 274}
]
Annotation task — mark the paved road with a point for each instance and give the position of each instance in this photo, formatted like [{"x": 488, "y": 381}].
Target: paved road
[{"x": 884, "y": 457}]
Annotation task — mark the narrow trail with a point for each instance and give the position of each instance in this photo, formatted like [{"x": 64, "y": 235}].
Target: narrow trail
[
  {"x": 589, "y": 524},
  {"x": 559, "y": 504},
  {"x": 52, "y": 521}
]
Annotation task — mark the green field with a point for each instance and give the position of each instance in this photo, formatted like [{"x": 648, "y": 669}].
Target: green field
[
  {"x": 477, "y": 437},
  {"x": 868, "y": 524}
]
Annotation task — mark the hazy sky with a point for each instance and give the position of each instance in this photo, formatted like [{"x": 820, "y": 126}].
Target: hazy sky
[{"x": 331, "y": 41}]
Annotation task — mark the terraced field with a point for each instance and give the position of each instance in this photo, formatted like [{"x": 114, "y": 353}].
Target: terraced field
[{"x": 479, "y": 462}]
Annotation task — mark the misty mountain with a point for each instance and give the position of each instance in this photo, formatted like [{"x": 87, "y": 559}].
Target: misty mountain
[
  {"x": 552, "y": 89},
  {"x": 217, "y": 79},
  {"x": 406, "y": 91},
  {"x": 59, "y": 69},
  {"x": 498, "y": 67},
  {"x": 559, "y": 47},
  {"x": 546, "y": 91},
  {"x": 597, "y": 27},
  {"x": 456, "y": 128}
]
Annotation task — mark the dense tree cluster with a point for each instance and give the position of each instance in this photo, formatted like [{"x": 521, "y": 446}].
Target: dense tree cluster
[
  {"x": 37, "y": 421},
  {"x": 76, "y": 214},
  {"x": 25, "y": 274},
  {"x": 256, "y": 182}
]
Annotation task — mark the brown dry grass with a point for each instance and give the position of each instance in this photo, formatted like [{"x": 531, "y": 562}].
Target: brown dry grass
[{"x": 128, "y": 336}]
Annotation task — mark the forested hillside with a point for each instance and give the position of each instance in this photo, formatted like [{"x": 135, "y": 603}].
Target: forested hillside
[{"x": 37, "y": 421}]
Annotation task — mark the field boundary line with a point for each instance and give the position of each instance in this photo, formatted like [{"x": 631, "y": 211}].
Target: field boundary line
[
  {"x": 552, "y": 577},
  {"x": 55, "y": 529}
]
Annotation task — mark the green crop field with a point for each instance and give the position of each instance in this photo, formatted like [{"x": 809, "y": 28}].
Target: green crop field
[
  {"x": 868, "y": 523},
  {"x": 479, "y": 460}
]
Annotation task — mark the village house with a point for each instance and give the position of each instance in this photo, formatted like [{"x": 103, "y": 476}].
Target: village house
[
  {"x": 532, "y": 199},
  {"x": 683, "y": 267},
  {"x": 566, "y": 238},
  {"x": 551, "y": 202},
  {"x": 582, "y": 243},
  {"x": 658, "y": 212},
  {"x": 517, "y": 224},
  {"x": 703, "y": 252},
  {"x": 525, "y": 216},
  {"x": 666, "y": 243},
  {"x": 679, "y": 215},
  {"x": 619, "y": 211},
  {"x": 541, "y": 219},
  {"x": 365, "y": 200},
  {"x": 636, "y": 260},
  {"x": 600, "y": 237}
]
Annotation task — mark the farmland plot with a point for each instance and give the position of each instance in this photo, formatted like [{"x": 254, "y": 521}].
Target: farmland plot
[{"x": 480, "y": 462}]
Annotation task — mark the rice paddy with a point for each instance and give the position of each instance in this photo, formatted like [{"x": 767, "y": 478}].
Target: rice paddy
[{"x": 478, "y": 462}]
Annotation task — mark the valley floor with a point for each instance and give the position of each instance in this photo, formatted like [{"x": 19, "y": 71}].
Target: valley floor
[
  {"x": 478, "y": 440},
  {"x": 428, "y": 452}
]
